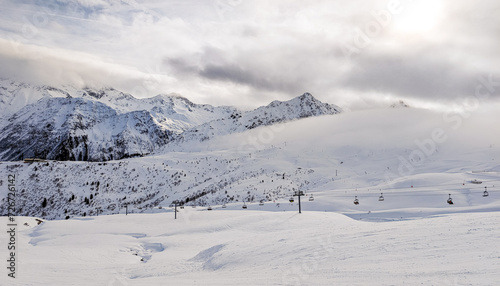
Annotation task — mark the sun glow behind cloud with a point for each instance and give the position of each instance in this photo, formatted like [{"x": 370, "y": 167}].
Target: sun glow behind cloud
[{"x": 421, "y": 16}]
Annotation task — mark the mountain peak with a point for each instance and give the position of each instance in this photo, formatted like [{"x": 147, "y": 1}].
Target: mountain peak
[
  {"x": 400, "y": 104},
  {"x": 307, "y": 95}
]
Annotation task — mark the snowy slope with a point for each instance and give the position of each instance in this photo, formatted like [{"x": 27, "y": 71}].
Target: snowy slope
[{"x": 258, "y": 248}]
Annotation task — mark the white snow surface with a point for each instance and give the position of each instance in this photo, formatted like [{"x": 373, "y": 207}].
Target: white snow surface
[{"x": 253, "y": 247}]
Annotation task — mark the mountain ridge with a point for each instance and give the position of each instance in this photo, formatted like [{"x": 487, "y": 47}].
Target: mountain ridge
[{"x": 107, "y": 124}]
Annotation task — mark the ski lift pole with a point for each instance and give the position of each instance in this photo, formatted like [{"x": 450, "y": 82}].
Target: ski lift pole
[
  {"x": 299, "y": 194},
  {"x": 175, "y": 210},
  {"x": 300, "y": 210}
]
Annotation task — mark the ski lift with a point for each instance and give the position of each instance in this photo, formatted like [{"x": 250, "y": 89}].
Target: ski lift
[
  {"x": 261, "y": 203},
  {"x": 311, "y": 198},
  {"x": 182, "y": 207},
  {"x": 224, "y": 206},
  {"x": 476, "y": 181},
  {"x": 485, "y": 193},
  {"x": 291, "y": 199},
  {"x": 209, "y": 208},
  {"x": 381, "y": 198},
  {"x": 356, "y": 201},
  {"x": 449, "y": 201},
  {"x": 244, "y": 206}
]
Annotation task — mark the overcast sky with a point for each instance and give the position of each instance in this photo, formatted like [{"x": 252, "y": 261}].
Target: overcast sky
[{"x": 353, "y": 53}]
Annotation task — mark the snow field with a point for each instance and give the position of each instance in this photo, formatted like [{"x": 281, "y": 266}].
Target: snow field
[{"x": 229, "y": 247}]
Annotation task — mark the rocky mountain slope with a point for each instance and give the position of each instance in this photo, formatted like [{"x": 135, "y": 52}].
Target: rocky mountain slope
[{"x": 79, "y": 129}]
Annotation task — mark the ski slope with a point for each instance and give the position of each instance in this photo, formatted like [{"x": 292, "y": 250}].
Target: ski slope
[{"x": 252, "y": 247}]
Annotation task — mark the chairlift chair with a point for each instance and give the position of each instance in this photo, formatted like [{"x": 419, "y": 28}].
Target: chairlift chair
[
  {"x": 485, "y": 193},
  {"x": 224, "y": 206},
  {"x": 449, "y": 201},
  {"x": 261, "y": 203},
  {"x": 291, "y": 199},
  {"x": 356, "y": 201},
  {"x": 311, "y": 198},
  {"x": 381, "y": 198},
  {"x": 244, "y": 206},
  {"x": 209, "y": 208}
]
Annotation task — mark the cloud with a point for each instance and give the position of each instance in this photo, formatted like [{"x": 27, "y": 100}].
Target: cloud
[
  {"x": 420, "y": 75},
  {"x": 49, "y": 66},
  {"x": 250, "y": 53}
]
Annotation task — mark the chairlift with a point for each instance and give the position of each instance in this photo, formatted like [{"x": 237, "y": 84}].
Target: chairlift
[
  {"x": 291, "y": 199},
  {"x": 356, "y": 201},
  {"x": 485, "y": 193},
  {"x": 449, "y": 201},
  {"x": 182, "y": 207},
  {"x": 224, "y": 206},
  {"x": 381, "y": 198},
  {"x": 209, "y": 208},
  {"x": 261, "y": 203},
  {"x": 311, "y": 198},
  {"x": 244, "y": 206}
]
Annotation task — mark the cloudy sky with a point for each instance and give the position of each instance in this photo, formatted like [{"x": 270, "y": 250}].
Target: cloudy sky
[{"x": 355, "y": 53}]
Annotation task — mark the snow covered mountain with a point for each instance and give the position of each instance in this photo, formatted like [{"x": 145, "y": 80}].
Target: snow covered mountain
[
  {"x": 106, "y": 124},
  {"x": 174, "y": 112},
  {"x": 15, "y": 95},
  {"x": 95, "y": 125},
  {"x": 276, "y": 112},
  {"x": 79, "y": 129}
]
